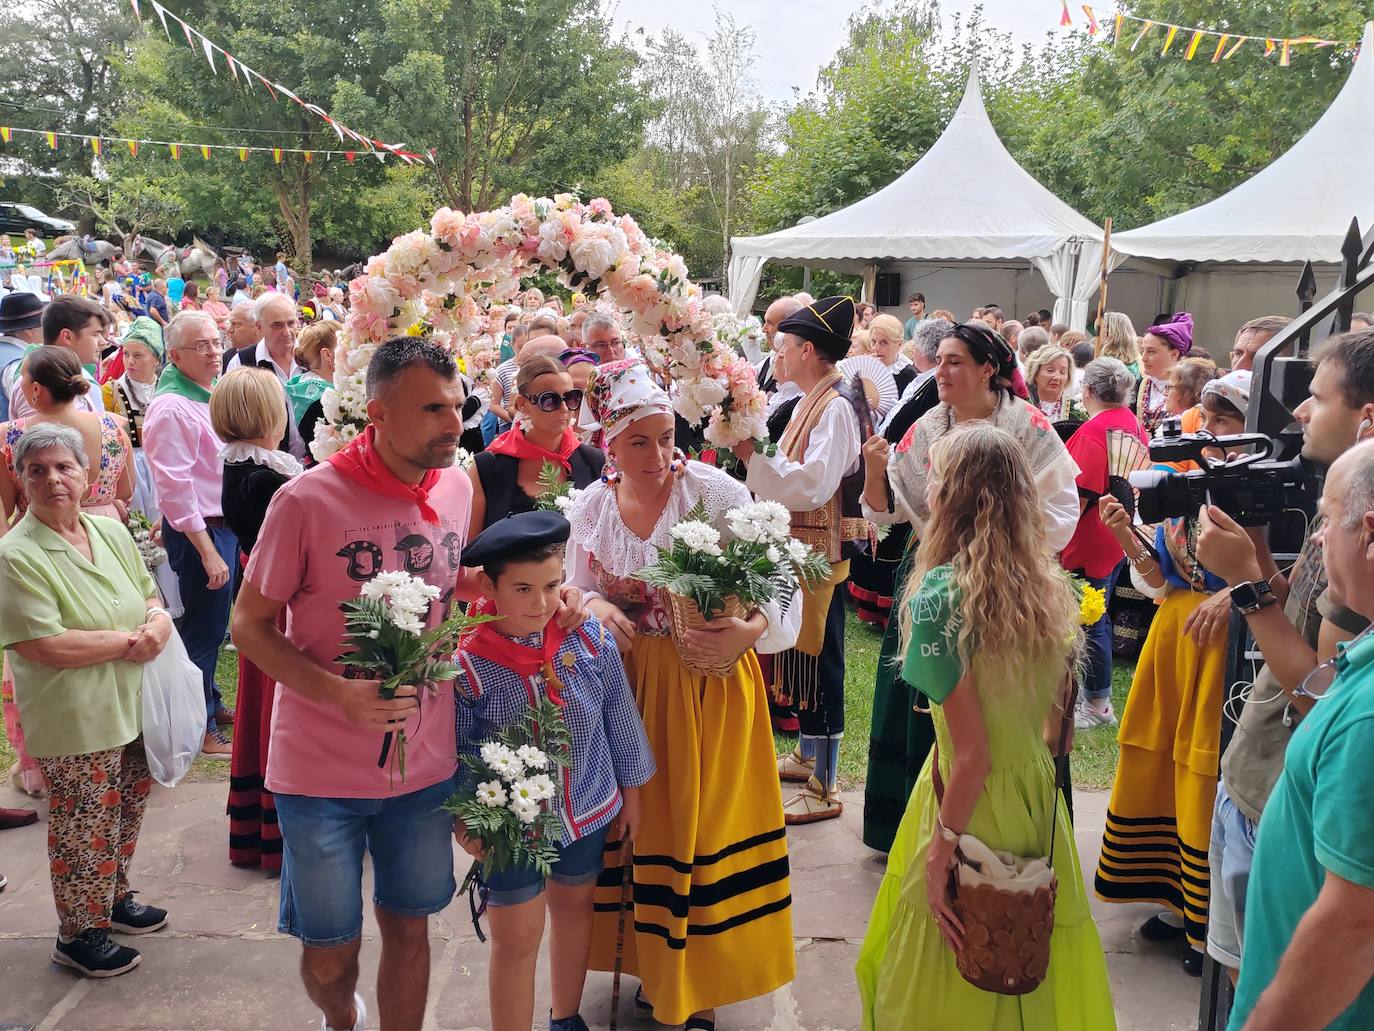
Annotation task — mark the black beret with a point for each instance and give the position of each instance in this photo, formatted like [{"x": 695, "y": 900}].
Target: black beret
[
  {"x": 827, "y": 324},
  {"x": 512, "y": 538}
]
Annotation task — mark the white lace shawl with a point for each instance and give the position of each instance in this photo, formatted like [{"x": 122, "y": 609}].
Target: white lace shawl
[{"x": 599, "y": 532}]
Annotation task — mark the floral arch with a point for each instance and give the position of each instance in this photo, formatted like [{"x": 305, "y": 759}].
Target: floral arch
[{"x": 443, "y": 279}]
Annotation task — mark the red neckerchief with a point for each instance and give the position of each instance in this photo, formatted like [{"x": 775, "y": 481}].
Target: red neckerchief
[
  {"x": 486, "y": 643},
  {"x": 359, "y": 462},
  {"x": 514, "y": 443}
]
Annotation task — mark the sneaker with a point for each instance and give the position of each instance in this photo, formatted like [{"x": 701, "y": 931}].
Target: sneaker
[
  {"x": 359, "y": 1022},
  {"x": 3, "y": 881},
  {"x": 1192, "y": 963},
  {"x": 1157, "y": 929},
  {"x": 216, "y": 746},
  {"x": 132, "y": 917},
  {"x": 224, "y": 717},
  {"x": 1086, "y": 715},
  {"x": 573, "y": 1023},
  {"x": 95, "y": 955}
]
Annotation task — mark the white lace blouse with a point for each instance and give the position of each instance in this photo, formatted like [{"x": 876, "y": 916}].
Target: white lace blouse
[{"x": 604, "y": 553}]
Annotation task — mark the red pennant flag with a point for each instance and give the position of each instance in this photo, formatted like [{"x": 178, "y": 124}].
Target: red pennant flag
[
  {"x": 1064, "y": 18},
  {"x": 348, "y": 154},
  {"x": 52, "y": 138},
  {"x": 133, "y": 147},
  {"x": 1092, "y": 20},
  {"x": 175, "y": 148},
  {"x": 205, "y": 152}
]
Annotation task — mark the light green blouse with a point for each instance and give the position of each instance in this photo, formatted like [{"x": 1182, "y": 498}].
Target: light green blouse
[{"x": 46, "y": 587}]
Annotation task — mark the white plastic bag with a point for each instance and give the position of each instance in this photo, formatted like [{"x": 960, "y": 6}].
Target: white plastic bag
[{"x": 173, "y": 712}]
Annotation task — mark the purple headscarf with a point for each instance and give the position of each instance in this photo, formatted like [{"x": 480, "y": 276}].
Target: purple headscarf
[{"x": 1178, "y": 331}]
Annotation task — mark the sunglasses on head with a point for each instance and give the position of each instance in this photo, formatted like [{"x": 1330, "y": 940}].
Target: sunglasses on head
[
  {"x": 551, "y": 400},
  {"x": 576, "y": 355}
]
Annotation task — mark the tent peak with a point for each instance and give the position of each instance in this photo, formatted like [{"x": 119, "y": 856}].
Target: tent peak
[{"x": 972, "y": 102}]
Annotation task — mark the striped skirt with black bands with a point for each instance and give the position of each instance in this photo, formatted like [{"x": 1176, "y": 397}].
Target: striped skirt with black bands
[{"x": 711, "y": 920}]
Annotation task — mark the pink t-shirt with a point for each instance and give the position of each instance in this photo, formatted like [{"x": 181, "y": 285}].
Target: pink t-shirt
[{"x": 323, "y": 537}]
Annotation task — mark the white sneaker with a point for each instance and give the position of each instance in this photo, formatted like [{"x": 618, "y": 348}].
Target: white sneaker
[
  {"x": 358, "y": 1024},
  {"x": 1086, "y": 716}
]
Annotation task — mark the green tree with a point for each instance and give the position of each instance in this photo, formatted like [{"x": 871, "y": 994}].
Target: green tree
[
  {"x": 536, "y": 95},
  {"x": 135, "y": 203},
  {"x": 57, "y": 72}
]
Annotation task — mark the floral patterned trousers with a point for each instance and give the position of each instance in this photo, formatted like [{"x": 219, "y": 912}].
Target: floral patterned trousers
[{"x": 95, "y": 809}]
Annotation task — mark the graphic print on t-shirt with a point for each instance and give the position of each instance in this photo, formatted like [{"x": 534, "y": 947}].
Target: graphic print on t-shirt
[
  {"x": 417, "y": 552},
  {"x": 453, "y": 545},
  {"x": 364, "y": 560}
]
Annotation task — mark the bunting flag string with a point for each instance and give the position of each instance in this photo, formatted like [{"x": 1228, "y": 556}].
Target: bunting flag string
[
  {"x": 239, "y": 70},
  {"x": 97, "y": 144},
  {"x": 1227, "y": 43}
]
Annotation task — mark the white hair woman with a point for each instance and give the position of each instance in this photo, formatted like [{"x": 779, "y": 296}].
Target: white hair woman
[
  {"x": 1048, "y": 374},
  {"x": 79, "y": 615},
  {"x": 715, "y": 805}
]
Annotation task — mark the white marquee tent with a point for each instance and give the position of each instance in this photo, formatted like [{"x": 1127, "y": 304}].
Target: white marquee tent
[{"x": 965, "y": 200}]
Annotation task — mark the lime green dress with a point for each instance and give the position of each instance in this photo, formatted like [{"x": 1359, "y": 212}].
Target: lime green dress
[{"x": 906, "y": 973}]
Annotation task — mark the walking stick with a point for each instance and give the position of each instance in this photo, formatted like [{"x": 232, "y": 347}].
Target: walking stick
[
  {"x": 626, "y": 880},
  {"x": 1106, "y": 271}
]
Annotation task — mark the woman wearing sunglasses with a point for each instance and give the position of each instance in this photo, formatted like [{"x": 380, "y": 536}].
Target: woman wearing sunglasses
[{"x": 506, "y": 476}]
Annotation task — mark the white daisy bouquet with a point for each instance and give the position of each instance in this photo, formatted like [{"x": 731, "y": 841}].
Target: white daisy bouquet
[
  {"x": 760, "y": 562},
  {"x": 149, "y": 550},
  {"x": 386, "y": 639},
  {"x": 511, "y": 782}
]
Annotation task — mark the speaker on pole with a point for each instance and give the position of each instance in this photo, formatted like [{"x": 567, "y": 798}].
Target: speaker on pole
[{"x": 888, "y": 290}]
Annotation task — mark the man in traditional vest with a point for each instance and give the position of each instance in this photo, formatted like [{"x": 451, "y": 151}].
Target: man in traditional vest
[{"x": 817, "y": 474}]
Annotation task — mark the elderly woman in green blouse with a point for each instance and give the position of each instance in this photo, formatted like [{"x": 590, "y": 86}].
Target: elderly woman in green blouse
[{"x": 79, "y": 614}]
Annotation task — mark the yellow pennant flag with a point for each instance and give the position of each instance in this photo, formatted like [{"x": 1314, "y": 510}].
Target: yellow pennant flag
[
  {"x": 1117, "y": 38},
  {"x": 309, "y": 156},
  {"x": 133, "y": 147},
  {"x": 5, "y": 133},
  {"x": 243, "y": 153},
  {"x": 1268, "y": 47},
  {"x": 276, "y": 155},
  {"x": 205, "y": 152},
  {"x": 1169, "y": 39},
  {"x": 1193, "y": 45},
  {"x": 52, "y": 136},
  {"x": 175, "y": 148},
  {"x": 1234, "y": 47},
  {"x": 1221, "y": 45},
  {"x": 95, "y": 145}
]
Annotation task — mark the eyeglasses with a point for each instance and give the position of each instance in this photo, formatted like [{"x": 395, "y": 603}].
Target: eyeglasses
[
  {"x": 205, "y": 350},
  {"x": 551, "y": 400},
  {"x": 1318, "y": 682}
]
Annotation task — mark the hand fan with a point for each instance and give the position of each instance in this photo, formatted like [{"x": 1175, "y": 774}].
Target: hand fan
[
  {"x": 879, "y": 386},
  {"x": 1125, "y": 455}
]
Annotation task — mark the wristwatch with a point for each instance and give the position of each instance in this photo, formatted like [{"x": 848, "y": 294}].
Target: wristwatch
[{"x": 1251, "y": 596}]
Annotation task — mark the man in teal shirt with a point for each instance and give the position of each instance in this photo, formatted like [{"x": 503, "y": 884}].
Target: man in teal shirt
[
  {"x": 917, "y": 304},
  {"x": 1309, "y": 935}
]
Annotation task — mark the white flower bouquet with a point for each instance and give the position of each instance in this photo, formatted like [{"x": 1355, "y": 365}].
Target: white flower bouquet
[
  {"x": 385, "y": 638},
  {"x": 513, "y": 779},
  {"x": 149, "y": 550},
  {"x": 706, "y": 575}
]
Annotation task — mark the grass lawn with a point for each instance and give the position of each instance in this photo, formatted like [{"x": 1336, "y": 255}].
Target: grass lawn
[{"x": 1094, "y": 754}]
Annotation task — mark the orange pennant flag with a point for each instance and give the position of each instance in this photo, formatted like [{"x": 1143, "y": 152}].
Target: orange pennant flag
[
  {"x": 309, "y": 156},
  {"x": 133, "y": 147},
  {"x": 1169, "y": 39},
  {"x": 243, "y": 153},
  {"x": 1268, "y": 47},
  {"x": 95, "y": 145},
  {"x": 1092, "y": 20},
  {"x": 1117, "y": 38},
  {"x": 175, "y": 148},
  {"x": 5, "y": 133},
  {"x": 1221, "y": 45},
  {"x": 1284, "y": 55},
  {"x": 1144, "y": 29},
  {"x": 276, "y": 155},
  {"x": 1193, "y": 45},
  {"x": 205, "y": 152},
  {"x": 52, "y": 136},
  {"x": 1234, "y": 47}
]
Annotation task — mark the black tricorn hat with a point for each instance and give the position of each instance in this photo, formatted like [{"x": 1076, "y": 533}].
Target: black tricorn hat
[{"x": 826, "y": 323}]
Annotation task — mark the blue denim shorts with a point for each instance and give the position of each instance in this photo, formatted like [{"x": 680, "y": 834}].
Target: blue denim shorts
[
  {"x": 1230, "y": 858},
  {"x": 409, "y": 838},
  {"x": 578, "y": 862}
]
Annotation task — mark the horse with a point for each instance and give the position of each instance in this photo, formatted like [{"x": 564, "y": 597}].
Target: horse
[
  {"x": 198, "y": 257},
  {"x": 68, "y": 248}
]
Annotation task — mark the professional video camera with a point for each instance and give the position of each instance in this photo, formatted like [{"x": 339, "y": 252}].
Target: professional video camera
[{"x": 1249, "y": 488}]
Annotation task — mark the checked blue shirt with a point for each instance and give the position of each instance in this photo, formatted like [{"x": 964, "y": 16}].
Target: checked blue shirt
[{"x": 609, "y": 747}]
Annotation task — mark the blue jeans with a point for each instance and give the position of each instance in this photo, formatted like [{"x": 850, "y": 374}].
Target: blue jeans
[
  {"x": 578, "y": 862},
  {"x": 207, "y": 611},
  {"x": 409, "y": 838},
  {"x": 1097, "y": 678}
]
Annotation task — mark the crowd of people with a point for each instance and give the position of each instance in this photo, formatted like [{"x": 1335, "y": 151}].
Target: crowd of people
[{"x": 996, "y": 472}]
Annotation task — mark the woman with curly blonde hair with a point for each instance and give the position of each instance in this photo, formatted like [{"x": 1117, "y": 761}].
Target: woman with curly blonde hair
[
  {"x": 988, "y": 629},
  {"x": 1117, "y": 338}
]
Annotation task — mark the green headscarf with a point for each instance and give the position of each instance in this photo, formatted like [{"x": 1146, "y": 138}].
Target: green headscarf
[{"x": 147, "y": 332}]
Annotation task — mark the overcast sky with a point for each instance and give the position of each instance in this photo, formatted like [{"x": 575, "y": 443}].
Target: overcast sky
[{"x": 796, "y": 38}]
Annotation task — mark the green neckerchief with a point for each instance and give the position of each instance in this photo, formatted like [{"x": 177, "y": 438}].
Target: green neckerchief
[
  {"x": 303, "y": 390},
  {"x": 173, "y": 382}
]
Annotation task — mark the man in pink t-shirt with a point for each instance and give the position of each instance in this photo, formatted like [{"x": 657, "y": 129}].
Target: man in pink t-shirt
[{"x": 394, "y": 501}]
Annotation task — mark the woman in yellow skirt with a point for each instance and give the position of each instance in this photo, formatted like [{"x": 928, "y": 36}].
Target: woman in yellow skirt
[
  {"x": 1159, "y": 819},
  {"x": 988, "y": 628},
  {"x": 711, "y": 918}
]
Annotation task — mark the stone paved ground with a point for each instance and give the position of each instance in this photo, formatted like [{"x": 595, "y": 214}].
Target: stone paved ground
[{"x": 221, "y": 965}]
